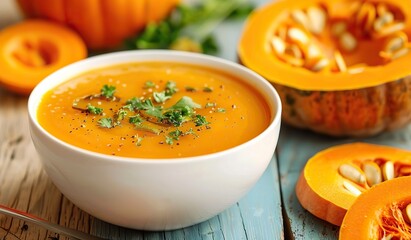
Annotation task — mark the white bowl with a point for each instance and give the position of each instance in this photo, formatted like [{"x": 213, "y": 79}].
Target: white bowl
[{"x": 154, "y": 194}]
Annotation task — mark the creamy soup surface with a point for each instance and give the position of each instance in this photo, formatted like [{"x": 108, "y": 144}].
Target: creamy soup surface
[{"x": 154, "y": 110}]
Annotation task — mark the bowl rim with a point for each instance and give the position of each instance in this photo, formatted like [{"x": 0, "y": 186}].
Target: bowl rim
[{"x": 37, "y": 93}]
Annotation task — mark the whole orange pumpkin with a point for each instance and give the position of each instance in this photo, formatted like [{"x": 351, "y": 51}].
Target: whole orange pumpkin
[{"x": 101, "y": 23}]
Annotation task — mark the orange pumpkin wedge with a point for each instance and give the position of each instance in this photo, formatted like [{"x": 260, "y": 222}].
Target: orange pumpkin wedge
[
  {"x": 333, "y": 178},
  {"x": 383, "y": 212},
  {"x": 33, "y": 49},
  {"x": 334, "y": 62}
]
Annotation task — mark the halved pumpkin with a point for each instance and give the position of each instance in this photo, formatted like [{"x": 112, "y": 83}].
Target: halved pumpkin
[
  {"x": 325, "y": 187},
  {"x": 333, "y": 62},
  {"x": 383, "y": 212}
]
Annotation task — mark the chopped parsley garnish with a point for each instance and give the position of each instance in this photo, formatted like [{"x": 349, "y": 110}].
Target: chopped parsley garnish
[
  {"x": 135, "y": 104},
  {"x": 221, "y": 110},
  {"x": 169, "y": 140},
  {"x": 139, "y": 140},
  {"x": 191, "y": 132},
  {"x": 149, "y": 84},
  {"x": 160, "y": 97},
  {"x": 136, "y": 120},
  {"x": 105, "y": 122},
  {"x": 108, "y": 91},
  {"x": 171, "y": 88},
  {"x": 175, "y": 134},
  {"x": 207, "y": 89},
  {"x": 200, "y": 120},
  {"x": 94, "y": 110},
  {"x": 149, "y": 115}
]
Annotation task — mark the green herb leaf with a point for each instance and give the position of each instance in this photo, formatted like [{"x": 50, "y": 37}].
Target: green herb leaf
[
  {"x": 94, "y": 110},
  {"x": 108, "y": 91},
  {"x": 149, "y": 84},
  {"x": 221, "y": 110},
  {"x": 185, "y": 101},
  {"x": 171, "y": 88},
  {"x": 139, "y": 140},
  {"x": 175, "y": 135},
  {"x": 160, "y": 97},
  {"x": 200, "y": 120},
  {"x": 169, "y": 140},
  {"x": 136, "y": 120},
  {"x": 105, "y": 122},
  {"x": 191, "y": 132}
]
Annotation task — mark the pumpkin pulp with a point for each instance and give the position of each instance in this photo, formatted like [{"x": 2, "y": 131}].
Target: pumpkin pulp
[{"x": 380, "y": 213}]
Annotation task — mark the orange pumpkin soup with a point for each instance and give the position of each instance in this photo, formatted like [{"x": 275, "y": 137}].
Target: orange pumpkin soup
[{"x": 154, "y": 110}]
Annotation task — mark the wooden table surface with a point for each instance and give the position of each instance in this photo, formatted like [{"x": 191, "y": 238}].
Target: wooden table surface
[{"x": 269, "y": 211}]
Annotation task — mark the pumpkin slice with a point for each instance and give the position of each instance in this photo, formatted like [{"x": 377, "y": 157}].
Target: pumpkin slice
[
  {"x": 340, "y": 67},
  {"x": 333, "y": 179},
  {"x": 33, "y": 49},
  {"x": 383, "y": 212}
]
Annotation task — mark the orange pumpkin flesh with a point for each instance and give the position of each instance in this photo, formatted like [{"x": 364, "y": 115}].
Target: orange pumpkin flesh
[
  {"x": 341, "y": 103},
  {"x": 102, "y": 24},
  {"x": 320, "y": 187},
  {"x": 32, "y": 50},
  {"x": 364, "y": 218}
]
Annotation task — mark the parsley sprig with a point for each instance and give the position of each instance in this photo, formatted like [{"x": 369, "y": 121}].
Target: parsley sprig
[{"x": 189, "y": 26}]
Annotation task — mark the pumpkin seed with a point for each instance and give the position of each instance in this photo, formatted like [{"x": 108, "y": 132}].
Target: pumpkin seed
[
  {"x": 352, "y": 188},
  {"x": 385, "y": 19},
  {"x": 363, "y": 13},
  {"x": 339, "y": 60},
  {"x": 300, "y": 17},
  {"x": 353, "y": 173},
  {"x": 317, "y": 18},
  {"x": 400, "y": 53},
  {"x": 298, "y": 36},
  {"x": 312, "y": 51},
  {"x": 372, "y": 173},
  {"x": 278, "y": 45},
  {"x": 320, "y": 64},
  {"x": 408, "y": 213},
  {"x": 389, "y": 29},
  {"x": 396, "y": 42},
  {"x": 370, "y": 18},
  {"x": 348, "y": 42},
  {"x": 338, "y": 28},
  {"x": 388, "y": 170}
]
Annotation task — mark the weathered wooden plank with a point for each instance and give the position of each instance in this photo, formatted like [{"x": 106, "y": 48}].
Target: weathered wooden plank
[{"x": 294, "y": 149}]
